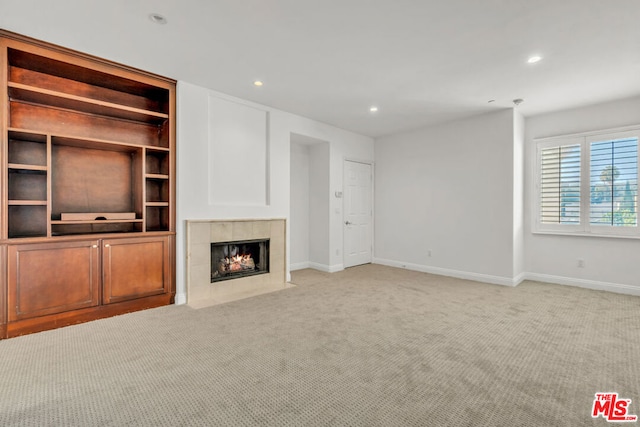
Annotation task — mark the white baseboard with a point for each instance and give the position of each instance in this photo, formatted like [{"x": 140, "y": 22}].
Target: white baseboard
[
  {"x": 506, "y": 281},
  {"x": 181, "y": 298},
  {"x": 326, "y": 268},
  {"x": 584, "y": 283},
  {"x": 335, "y": 268},
  {"x": 519, "y": 279},
  {"x": 319, "y": 267},
  {"x": 316, "y": 266},
  {"x": 299, "y": 266},
  {"x": 478, "y": 277}
]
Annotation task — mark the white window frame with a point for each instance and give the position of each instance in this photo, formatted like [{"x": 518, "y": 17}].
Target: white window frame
[{"x": 584, "y": 228}]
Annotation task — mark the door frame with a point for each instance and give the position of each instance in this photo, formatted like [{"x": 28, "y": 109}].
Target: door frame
[{"x": 342, "y": 222}]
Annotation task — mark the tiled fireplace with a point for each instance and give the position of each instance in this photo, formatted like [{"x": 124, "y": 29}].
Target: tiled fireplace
[{"x": 220, "y": 248}]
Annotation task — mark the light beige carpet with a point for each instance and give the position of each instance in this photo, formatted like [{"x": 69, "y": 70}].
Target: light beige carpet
[{"x": 370, "y": 346}]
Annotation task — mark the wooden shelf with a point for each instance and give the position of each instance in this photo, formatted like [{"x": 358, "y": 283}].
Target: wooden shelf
[
  {"x": 26, "y": 93},
  {"x": 82, "y": 78},
  {"x": 98, "y": 221},
  {"x": 80, "y": 124},
  {"x": 157, "y": 204},
  {"x": 26, "y": 135},
  {"x": 96, "y": 143},
  {"x": 17, "y": 166},
  {"x": 154, "y": 148},
  {"x": 156, "y": 176},
  {"x": 34, "y": 235},
  {"x": 27, "y": 203}
]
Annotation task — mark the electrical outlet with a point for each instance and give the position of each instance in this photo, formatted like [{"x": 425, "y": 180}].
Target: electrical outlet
[{"x": 581, "y": 263}]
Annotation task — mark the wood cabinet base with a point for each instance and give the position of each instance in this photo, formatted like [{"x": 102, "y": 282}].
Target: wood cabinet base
[{"x": 44, "y": 323}]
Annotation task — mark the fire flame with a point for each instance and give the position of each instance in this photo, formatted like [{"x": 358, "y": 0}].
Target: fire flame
[{"x": 237, "y": 262}]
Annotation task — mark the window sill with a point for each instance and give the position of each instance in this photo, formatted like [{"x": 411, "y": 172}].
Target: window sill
[{"x": 585, "y": 234}]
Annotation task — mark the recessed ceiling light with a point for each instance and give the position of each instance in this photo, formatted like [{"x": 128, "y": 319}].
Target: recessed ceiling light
[
  {"x": 533, "y": 59},
  {"x": 373, "y": 109},
  {"x": 258, "y": 83},
  {"x": 157, "y": 18}
]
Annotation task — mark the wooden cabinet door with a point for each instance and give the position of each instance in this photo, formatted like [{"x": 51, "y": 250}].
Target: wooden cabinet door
[
  {"x": 135, "y": 268},
  {"x": 49, "y": 278}
]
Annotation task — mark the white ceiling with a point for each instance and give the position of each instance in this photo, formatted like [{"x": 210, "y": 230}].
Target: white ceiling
[{"x": 420, "y": 61}]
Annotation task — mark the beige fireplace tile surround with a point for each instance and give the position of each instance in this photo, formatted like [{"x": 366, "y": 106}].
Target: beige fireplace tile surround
[{"x": 201, "y": 233}]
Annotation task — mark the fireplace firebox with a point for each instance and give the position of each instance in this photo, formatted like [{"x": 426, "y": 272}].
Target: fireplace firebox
[{"x": 230, "y": 260}]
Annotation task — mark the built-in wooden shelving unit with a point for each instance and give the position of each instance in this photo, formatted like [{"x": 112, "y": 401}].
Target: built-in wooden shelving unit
[{"x": 83, "y": 135}]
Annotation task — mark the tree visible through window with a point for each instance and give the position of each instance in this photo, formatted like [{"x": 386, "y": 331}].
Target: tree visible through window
[{"x": 614, "y": 182}]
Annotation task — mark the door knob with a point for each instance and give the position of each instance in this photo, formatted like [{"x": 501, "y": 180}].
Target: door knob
[{"x": 348, "y": 222}]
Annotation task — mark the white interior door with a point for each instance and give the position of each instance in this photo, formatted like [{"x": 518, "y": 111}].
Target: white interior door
[{"x": 358, "y": 213}]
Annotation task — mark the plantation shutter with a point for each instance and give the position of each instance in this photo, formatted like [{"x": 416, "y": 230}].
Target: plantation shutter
[{"x": 560, "y": 185}]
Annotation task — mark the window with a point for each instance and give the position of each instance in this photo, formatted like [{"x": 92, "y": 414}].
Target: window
[
  {"x": 614, "y": 182},
  {"x": 560, "y": 185},
  {"x": 588, "y": 184}
]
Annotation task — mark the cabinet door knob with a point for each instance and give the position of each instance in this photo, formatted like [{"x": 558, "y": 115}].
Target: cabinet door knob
[
  {"x": 107, "y": 245},
  {"x": 94, "y": 246}
]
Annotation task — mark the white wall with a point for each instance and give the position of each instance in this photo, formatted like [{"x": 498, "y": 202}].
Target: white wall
[
  {"x": 299, "y": 211},
  {"x": 238, "y": 146},
  {"x": 449, "y": 189},
  {"x": 518, "y": 196},
  {"x": 193, "y": 145},
  {"x": 610, "y": 263},
  {"x": 319, "y": 207}
]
